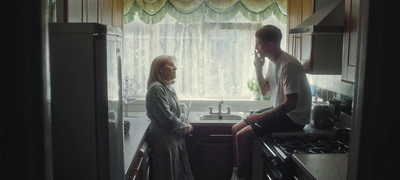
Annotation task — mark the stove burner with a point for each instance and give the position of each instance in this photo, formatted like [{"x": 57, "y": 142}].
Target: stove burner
[{"x": 310, "y": 144}]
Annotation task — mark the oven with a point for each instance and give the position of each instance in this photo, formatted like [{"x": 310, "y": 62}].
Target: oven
[{"x": 277, "y": 151}]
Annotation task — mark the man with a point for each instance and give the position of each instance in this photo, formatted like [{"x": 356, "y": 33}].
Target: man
[{"x": 290, "y": 93}]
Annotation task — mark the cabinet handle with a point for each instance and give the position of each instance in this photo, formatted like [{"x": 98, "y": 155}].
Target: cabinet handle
[
  {"x": 293, "y": 45},
  {"x": 220, "y": 135},
  {"x": 299, "y": 178},
  {"x": 136, "y": 168},
  {"x": 139, "y": 164}
]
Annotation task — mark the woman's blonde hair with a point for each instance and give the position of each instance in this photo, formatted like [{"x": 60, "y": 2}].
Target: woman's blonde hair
[{"x": 158, "y": 63}]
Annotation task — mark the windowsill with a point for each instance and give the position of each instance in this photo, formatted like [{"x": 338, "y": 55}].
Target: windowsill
[{"x": 237, "y": 105}]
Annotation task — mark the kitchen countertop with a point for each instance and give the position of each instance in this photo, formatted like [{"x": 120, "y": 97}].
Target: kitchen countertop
[
  {"x": 322, "y": 166},
  {"x": 134, "y": 139},
  {"x": 140, "y": 122},
  {"x": 308, "y": 129}
]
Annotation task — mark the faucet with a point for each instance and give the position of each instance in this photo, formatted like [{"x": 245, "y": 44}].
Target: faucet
[{"x": 219, "y": 109}]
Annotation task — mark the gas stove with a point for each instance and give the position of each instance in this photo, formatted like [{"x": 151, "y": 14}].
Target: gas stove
[
  {"x": 278, "y": 151},
  {"x": 310, "y": 144}
]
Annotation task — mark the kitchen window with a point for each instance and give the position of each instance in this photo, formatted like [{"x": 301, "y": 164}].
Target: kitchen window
[{"x": 214, "y": 57}]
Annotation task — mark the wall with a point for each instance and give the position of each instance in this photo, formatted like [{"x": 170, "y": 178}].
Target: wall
[
  {"x": 25, "y": 142},
  {"x": 332, "y": 83}
]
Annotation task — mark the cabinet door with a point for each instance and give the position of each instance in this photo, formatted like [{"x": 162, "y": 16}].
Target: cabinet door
[
  {"x": 108, "y": 12},
  {"x": 217, "y": 160},
  {"x": 294, "y": 19},
  {"x": 350, "y": 40},
  {"x": 210, "y": 153},
  {"x": 74, "y": 11},
  {"x": 90, "y": 11},
  {"x": 105, "y": 12},
  {"x": 210, "y": 161},
  {"x": 307, "y": 9},
  {"x": 194, "y": 159},
  {"x": 81, "y": 11},
  {"x": 117, "y": 13},
  {"x": 305, "y": 43},
  {"x": 298, "y": 11}
]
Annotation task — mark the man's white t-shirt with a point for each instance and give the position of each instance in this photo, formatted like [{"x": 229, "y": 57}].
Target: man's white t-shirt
[{"x": 287, "y": 76}]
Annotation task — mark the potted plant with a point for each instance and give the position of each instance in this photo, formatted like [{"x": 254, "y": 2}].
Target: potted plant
[{"x": 252, "y": 84}]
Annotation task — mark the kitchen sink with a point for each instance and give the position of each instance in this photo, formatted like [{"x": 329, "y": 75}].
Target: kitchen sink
[{"x": 220, "y": 117}]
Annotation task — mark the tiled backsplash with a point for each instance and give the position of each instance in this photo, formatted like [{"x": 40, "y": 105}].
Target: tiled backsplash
[
  {"x": 328, "y": 87},
  {"x": 332, "y": 83}
]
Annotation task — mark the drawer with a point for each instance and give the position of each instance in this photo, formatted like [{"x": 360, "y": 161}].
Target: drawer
[{"x": 210, "y": 134}]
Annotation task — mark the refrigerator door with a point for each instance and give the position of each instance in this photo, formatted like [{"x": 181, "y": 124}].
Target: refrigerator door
[
  {"x": 86, "y": 101},
  {"x": 114, "y": 87},
  {"x": 79, "y": 112}
]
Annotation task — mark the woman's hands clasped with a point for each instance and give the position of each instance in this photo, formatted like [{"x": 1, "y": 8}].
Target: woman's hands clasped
[{"x": 189, "y": 128}]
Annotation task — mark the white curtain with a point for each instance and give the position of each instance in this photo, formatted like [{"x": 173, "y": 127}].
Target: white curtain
[
  {"x": 214, "y": 59},
  {"x": 153, "y": 11}
]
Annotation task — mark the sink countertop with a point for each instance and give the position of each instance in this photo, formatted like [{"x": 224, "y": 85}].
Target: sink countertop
[{"x": 322, "y": 166}]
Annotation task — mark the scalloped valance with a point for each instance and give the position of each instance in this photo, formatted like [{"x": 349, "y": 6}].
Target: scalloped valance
[{"x": 153, "y": 11}]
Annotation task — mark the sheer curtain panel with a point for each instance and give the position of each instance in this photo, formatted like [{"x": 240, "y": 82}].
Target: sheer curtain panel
[{"x": 214, "y": 56}]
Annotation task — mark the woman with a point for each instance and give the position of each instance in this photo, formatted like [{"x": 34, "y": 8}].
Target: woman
[{"x": 167, "y": 129}]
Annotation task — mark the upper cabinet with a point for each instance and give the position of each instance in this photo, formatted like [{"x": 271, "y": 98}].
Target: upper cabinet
[
  {"x": 350, "y": 40},
  {"x": 298, "y": 11},
  {"x": 108, "y": 12},
  {"x": 316, "y": 34}
]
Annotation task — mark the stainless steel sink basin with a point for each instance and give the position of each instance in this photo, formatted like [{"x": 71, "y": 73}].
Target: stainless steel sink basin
[{"x": 221, "y": 117}]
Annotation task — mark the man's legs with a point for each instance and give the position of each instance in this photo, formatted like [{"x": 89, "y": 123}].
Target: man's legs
[
  {"x": 243, "y": 136},
  {"x": 235, "y": 129}
]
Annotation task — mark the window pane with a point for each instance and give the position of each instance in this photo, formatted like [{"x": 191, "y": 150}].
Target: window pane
[{"x": 214, "y": 59}]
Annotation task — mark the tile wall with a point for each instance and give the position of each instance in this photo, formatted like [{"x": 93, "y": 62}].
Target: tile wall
[{"x": 328, "y": 87}]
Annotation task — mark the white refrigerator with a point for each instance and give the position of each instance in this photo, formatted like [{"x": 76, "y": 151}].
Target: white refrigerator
[{"x": 86, "y": 101}]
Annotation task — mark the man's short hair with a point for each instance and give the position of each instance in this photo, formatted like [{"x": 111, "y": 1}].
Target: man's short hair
[{"x": 269, "y": 33}]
